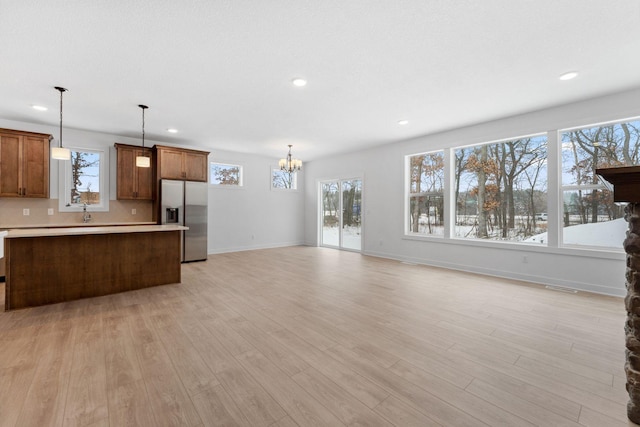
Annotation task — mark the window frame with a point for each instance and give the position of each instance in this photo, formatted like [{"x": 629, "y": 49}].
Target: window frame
[
  {"x": 64, "y": 183},
  {"x": 408, "y": 195},
  {"x": 564, "y": 188},
  {"x": 240, "y": 167},
  {"x": 555, "y": 191}
]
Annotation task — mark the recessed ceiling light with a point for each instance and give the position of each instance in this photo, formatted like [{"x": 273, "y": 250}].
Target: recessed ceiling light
[
  {"x": 403, "y": 122},
  {"x": 568, "y": 76},
  {"x": 299, "y": 82},
  {"x": 172, "y": 130},
  {"x": 39, "y": 107}
]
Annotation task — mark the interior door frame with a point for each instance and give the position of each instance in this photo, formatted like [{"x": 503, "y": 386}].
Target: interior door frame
[{"x": 320, "y": 213}]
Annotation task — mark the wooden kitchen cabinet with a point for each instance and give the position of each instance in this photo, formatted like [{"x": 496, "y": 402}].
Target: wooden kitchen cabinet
[
  {"x": 183, "y": 164},
  {"x": 133, "y": 183},
  {"x": 24, "y": 164}
]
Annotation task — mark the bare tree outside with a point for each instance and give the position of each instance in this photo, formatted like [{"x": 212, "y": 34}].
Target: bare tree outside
[
  {"x": 223, "y": 174},
  {"x": 426, "y": 193},
  {"x": 501, "y": 189},
  {"x": 585, "y": 200},
  {"x": 283, "y": 179},
  {"x": 85, "y": 178}
]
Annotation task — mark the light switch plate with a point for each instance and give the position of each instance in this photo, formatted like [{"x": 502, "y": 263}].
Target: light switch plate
[
  {"x": 133, "y": 211},
  {"x": 50, "y": 211},
  {"x": 25, "y": 212}
]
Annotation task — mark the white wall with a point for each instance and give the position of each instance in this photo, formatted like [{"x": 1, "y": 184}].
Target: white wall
[
  {"x": 252, "y": 217},
  {"x": 382, "y": 169}
]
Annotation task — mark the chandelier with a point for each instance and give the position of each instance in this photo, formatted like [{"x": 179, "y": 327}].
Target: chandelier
[{"x": 290, "y": 164}]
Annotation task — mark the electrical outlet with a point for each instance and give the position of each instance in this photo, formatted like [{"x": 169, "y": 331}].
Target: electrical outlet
[
  {"x": 525, "y": 260},
  {"x": 50, "y": 211},
  {"x": 133, "y": 211},
  {"x": 25, "y": 212}
]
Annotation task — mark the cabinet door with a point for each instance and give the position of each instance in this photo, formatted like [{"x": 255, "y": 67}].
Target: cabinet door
[
  {"x": 144, "y": 178},
  {"x": 35, "y": 161},
  {"x": 126, "y": 177},
  {"x": 195, "y": 166},
  {"x": 134, "y": 183},
  {"x": 10, "y": 160},
  {"x": 171, "y": 164}
]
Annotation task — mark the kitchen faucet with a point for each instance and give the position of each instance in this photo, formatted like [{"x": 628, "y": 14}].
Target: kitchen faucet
[{"x": 86, "y": 216}]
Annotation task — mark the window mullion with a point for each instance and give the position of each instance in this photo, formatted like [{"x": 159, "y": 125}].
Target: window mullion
[
  {"x": 449, "y": 197},
  {"x": 554, "y": 189}
]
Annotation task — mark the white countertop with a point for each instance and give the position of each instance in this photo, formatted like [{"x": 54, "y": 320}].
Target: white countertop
[
  {"x": 72, "y": 224},
  {"x": 76, "y": 231}
]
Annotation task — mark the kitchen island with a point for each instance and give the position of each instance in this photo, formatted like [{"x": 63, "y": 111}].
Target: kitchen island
[{"x": 51, "y": 265}]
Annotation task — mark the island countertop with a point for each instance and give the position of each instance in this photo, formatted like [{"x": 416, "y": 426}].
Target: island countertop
[{"x": 75, "y": 231}]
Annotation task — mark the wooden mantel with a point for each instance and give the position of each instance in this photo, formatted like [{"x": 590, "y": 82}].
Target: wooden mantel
[{"x": 626, "y": 182}]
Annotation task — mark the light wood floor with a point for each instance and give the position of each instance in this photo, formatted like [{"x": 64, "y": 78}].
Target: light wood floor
[{"x": 310, "y": 336}]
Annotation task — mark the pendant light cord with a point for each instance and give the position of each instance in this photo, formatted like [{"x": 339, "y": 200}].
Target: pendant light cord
[
  {"x": 144, "y": 107},
  {"x": 61, "y": 90}
]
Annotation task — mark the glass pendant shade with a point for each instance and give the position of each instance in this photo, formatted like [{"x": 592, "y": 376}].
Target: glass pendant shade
[
  {"x": 143, "y": 161},
  {"x": 60, "y": 153}
]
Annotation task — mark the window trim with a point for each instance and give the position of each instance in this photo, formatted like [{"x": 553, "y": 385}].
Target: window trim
[
  {"x": 64, "y": 181},
  {"x": 239, "y": 165},
  {"x": 555, "y": 192},
  {"x": 562, "y": 188},
  {"x": 408, "y": 194}
]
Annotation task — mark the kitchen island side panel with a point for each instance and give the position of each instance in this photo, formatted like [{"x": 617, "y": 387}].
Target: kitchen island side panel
[{"x": 52, "y": 269}]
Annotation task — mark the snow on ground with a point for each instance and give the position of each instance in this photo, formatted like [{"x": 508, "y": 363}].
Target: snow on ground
[
  {"x": 350, "y": 237},
  {"x": 603, "y": 234},
  {"x": 608, "y": 233}
]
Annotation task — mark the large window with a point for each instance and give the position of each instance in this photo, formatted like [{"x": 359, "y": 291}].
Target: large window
[
  {"x": 501, "y": 190},
  {"x": 83, "y": 181},
  {"x": 498, "y": 191},
  {"x": 224, "y": 174},
  {"x": 589, "y": 215},
  {"x": 426, "y": 193}
]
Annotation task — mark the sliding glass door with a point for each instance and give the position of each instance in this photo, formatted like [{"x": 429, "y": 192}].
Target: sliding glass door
[{"x": 341, "y": 214}]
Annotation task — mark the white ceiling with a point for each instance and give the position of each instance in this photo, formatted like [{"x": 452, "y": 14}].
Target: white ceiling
[{"x": 220, "y": 71}]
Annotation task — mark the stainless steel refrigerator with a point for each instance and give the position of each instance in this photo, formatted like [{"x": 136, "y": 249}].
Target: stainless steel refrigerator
[{"x": 185, "y": 203}]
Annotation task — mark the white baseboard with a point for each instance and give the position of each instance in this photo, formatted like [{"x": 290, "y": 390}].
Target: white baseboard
[{"x": 537, "y": 279}]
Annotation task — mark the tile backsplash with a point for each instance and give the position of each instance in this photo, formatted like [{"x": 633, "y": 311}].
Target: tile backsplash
[{"x": 120, "y": 211}]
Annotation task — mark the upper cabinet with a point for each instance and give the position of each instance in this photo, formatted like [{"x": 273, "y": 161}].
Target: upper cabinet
[
  {"x": 133, "y": 183},
  {"x": 183, "y": 164},
  {"x": 24, "y": 164}
]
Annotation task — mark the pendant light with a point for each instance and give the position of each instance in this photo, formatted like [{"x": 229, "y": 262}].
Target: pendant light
[
  {"x": 59, "y": 152},
  {"x": 143, "y": 161}
]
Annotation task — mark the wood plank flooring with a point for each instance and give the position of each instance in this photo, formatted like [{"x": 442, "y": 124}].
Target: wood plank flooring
[{"x": 305, "y": 336}]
